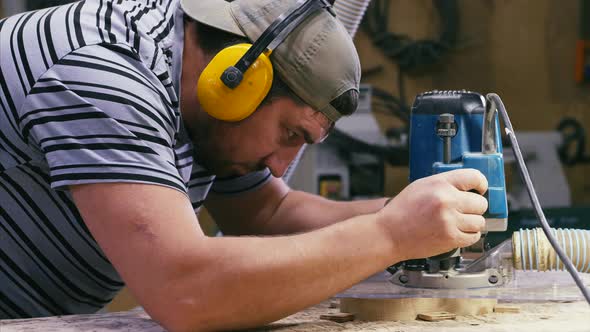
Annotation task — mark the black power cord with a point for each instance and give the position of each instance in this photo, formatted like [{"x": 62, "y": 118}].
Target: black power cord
[
  {"x": 573, "y": 149},
  {"x": 395, "y": 105},
  {"x": 412, "y": 54},
  {"x": 387, "y": 104},
  {"x": 347, "y": 143},
  {"x": 409, "y": 55}
]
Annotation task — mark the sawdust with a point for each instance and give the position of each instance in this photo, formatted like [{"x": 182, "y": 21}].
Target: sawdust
[{"x": 538, "y": 317}]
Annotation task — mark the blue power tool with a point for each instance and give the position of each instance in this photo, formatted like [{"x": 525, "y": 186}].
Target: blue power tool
[
  {"x": 453, "y": 130},
  {"x": 460, "y": 129}
]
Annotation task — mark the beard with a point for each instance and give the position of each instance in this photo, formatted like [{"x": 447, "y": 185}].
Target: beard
[
  {"x": 226, "y": 168},
  {"x": 217, "y": 160},
  {"x": 214, "y": 150}
]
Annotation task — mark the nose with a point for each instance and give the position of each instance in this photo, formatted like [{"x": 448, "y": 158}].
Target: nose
[{"x": 279, "y": 161}]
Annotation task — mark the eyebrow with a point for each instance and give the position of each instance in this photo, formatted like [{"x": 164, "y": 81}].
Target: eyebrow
[
  {"x": 306, "y": 135},
  {"x": 309, "y": 139}
]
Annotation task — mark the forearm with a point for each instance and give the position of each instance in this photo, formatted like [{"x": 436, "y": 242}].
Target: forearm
[
  {"x": 251, "y": 281},
  {"x": 300, "y": 212}
]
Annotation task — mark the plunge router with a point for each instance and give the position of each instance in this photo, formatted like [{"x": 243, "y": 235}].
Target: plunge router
[{"x": 454, "y": 130}]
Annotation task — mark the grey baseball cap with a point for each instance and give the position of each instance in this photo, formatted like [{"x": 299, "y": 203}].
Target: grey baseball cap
[{"x": 318, "y": 60}]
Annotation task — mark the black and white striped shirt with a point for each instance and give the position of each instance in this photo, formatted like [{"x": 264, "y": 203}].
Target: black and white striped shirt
[{"x": 88, "y": 93}]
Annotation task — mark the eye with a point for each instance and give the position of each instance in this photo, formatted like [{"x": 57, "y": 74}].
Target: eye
[{"x": 291, "y": 135}]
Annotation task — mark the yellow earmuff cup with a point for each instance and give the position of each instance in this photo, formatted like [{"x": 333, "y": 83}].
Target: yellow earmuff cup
[{"x": 227, "y": 104}]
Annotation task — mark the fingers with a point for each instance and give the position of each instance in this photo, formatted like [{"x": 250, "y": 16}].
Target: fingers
[
  {"x": 467, "y": 179},
  {"x": 468, "y": 239},
  {"x": 471, "y": 223},
  {"x": 471, "y": 203}
]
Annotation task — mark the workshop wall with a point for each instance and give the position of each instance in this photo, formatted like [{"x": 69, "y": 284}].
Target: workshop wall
[{"x": 523, "y": 50}]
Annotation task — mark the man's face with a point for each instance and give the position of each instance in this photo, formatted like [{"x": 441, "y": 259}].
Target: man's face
[{"x": 270, "y": 137}]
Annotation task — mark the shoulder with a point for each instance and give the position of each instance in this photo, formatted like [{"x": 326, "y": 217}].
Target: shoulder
[
  {"x": 111, "y": 83},
  {"x": 33, "y": 42}
]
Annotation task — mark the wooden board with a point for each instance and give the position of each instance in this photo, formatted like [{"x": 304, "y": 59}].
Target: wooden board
[
  {"x": 506, "y": 308},
  {"x": 436, "y": 316},
  {"x": 409, "y": 308},
  {"x": 537, "y": 316},
  {"x": 339, "y": 317}
]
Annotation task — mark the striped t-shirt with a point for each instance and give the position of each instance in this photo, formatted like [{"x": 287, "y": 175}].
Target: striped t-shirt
[{"x": 89, "y": 92}]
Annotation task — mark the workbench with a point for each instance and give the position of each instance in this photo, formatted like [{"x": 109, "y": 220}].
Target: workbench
[{"x": 563, "y": 316}]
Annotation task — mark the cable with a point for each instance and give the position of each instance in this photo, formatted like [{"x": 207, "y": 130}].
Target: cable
[
  {"x": 395, "y": 105},
  {"x": 524, "y": 173},
  {"x": 409, "y": 54},
  {"x": 393, "y": 155},
  {"x": 413, "y": 54},
  {"x": 574, "y": 136}
]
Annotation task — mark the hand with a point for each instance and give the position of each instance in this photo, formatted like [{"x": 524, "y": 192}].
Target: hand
[{"x": 436, "y": 214}]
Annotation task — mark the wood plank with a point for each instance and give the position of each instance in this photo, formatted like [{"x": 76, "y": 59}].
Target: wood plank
[
  {"x": 436, "y": 316},
  {"x": 339, "y": 317},
  {"x": 135, "y": 320},
  {"x": 535, "y": 316},
  {"x": 505, "y": 308}
]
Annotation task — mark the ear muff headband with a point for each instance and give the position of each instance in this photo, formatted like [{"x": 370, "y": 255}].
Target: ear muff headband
[
  {"x": 275, "y": 33},
  {"x": 235, "y": 82}
]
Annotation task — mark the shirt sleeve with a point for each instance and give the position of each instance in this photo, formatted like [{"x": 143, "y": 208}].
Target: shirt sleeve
[
  {"x": 100, "y": 115},
  {"x": 241, "y": 184}
]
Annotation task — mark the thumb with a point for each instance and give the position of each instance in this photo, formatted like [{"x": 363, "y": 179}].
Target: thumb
[
  {"x": 468, "y": 239},
  {"x": 467, "y": 179}
]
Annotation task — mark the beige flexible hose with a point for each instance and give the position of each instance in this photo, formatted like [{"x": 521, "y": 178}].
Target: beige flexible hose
[{"x": 532, "y": 251}]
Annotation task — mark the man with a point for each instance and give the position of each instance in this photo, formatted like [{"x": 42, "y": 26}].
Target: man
[{"x": 106, "y": 154}]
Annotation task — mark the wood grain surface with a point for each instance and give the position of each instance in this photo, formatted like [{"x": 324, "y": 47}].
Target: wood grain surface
[{"x": 549, "y": 316}]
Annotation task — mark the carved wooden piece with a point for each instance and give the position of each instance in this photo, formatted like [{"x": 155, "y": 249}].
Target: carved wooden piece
[
  {"x": 505, "y": 308},
  {"x": 436, "y": 316},
  {"x": 339, "y": 317}
]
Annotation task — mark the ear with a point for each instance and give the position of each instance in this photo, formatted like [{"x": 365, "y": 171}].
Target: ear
[{"x": 332, "y": 2}]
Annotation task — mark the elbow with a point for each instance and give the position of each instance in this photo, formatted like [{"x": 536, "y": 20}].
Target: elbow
[
  {"x": 178, "y": 321},
  {"x": 184, "y": 313},
  {"x": 176, "y": 314},
  {"x": 193, "y": 322},
  {"x": 178, "y": 318},
  {"x": 179, "y": 325}
]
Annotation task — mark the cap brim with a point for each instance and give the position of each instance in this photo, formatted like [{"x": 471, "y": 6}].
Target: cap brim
[{"x": 214, "y": 13}]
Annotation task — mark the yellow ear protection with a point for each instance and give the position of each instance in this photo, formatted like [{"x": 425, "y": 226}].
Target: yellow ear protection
[{"x": 235, "y": 82}]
